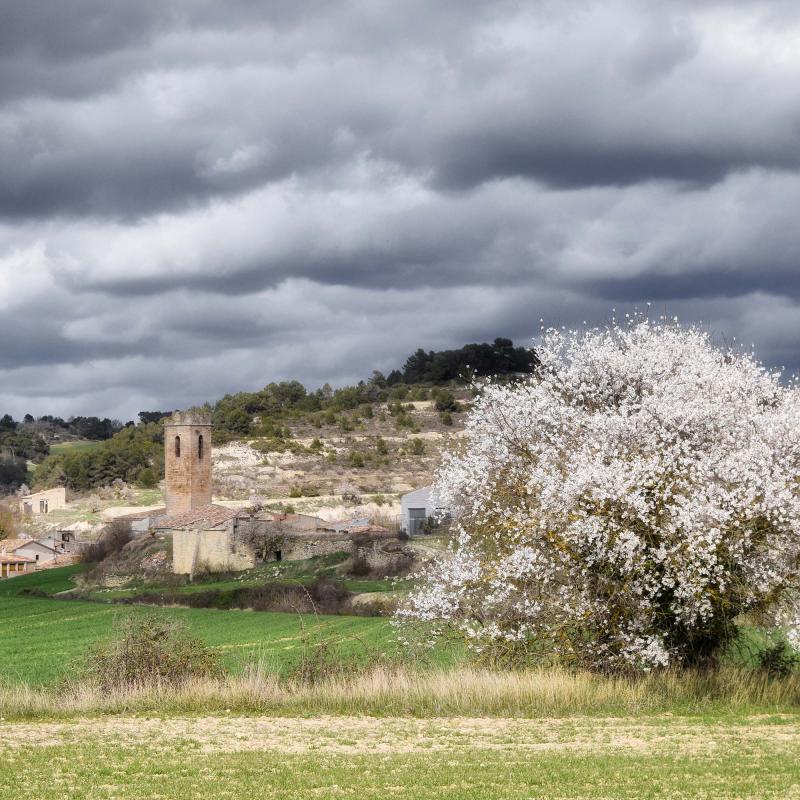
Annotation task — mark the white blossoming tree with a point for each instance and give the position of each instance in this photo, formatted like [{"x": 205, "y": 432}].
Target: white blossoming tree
[{"x": 622, "y": 507}]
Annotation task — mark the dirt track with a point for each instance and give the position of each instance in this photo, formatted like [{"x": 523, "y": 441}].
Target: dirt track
[{"x": 356, "y": 735}]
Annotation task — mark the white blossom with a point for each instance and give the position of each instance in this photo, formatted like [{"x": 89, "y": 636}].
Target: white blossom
[{"x": 625, "y": 504}]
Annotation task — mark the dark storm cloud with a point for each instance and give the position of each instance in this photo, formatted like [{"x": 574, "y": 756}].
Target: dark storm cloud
[
  {"x": 82, "y": 29},
  {"x": 564, "y": 164},
  {"x": 719, "y": 282},
  {"x": 27, "y": 341},
  {"x": 199, "y": 197},
  {"x": 152, "y": 122},
  {"x": 60, "y": 31}
]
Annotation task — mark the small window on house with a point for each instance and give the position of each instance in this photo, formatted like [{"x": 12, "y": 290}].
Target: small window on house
[
  {"x": 177, "y": 447},
  {"x": 200, "y": 447},
  {"x": 37, "y": 556}
]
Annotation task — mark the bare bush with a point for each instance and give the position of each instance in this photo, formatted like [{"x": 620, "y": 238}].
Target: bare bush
[
  {"x": 8, "y": 523},
  {"x": 351, "y": 495},
  {"x": 151, "y": 651},
  {"x": 94, "y": 503},
  {"x": 359, "y": 566},
  {"x": 112, "y": 539},
  {"x": 386, "y": 519}
]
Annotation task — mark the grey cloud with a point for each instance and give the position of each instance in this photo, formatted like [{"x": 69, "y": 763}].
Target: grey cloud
[
  {"x": 317, "y": 334},
  {"x": 83, "y": 28},
  {"x": 644, "y": 241},
  {"x": 434, "y": 91},
  {"x": 26, "y": 341},
  {"x": 479, "y": 157},
  {"x": 708, "y": 283},
  {"x": 58, "y": 31},
  {"x": 198, "y": 198}
]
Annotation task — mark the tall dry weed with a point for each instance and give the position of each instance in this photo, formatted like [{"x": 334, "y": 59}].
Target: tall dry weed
[{"x": 386, "y": 690}]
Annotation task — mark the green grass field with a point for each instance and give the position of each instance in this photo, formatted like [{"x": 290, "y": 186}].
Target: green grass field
[
  {"x": 410, "y": 734},
  {"x": 43, "y": 638},
  {"x": 51, "y": 581},
  {"x": 371, "y": 759},
  {"x": 78, "y": 446}
]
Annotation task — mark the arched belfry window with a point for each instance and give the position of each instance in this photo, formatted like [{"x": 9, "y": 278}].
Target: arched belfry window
[
  {"x": 177, "y": 447},
  {"x": 200, "y": 447}
]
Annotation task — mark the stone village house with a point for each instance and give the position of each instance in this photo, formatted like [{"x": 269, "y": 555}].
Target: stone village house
[
  {"x": 44, "y": 502},
  {"x": 26, "y": 554},
  {"x": 12, "y": 565},
  {"x": 38, "y": 551}
]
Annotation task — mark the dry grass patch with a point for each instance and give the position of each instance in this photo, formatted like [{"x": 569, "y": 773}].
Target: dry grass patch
[{"x": 386, "y": 691}]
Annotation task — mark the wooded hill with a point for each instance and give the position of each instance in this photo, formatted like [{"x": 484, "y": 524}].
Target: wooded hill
[{"x": 134, "y": 453}]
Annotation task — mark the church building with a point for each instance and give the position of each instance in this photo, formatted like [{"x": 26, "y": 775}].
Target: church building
[{"x": 212, "y": 537}]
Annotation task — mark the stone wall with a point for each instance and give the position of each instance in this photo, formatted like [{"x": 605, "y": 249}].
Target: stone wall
[
  {"x": 244, "y": 543},
  {"x": 215, "y": 550},
  {"x": 382, "y": 553},
  {"x": 299, "y": 546},
  {"x": 266, "y": 540}
]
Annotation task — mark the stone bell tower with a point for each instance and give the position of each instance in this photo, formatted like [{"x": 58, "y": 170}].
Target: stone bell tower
[{"x": 187, "y": 461}]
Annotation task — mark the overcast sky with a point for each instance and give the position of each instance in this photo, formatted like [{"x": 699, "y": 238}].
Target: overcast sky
[{"x": 200, "y": 197}]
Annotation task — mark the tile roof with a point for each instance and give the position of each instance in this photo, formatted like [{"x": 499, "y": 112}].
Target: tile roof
[
  {"x": 367, "y": 529},
  {"x": 10, "y": 545},
  {"x": 293, "y": 522},
  {"x": 347, "y": 524},
  {"x": 7, "y": 558},
  {"x": 299, "y": 522},
  {"x": 358, "y": 525},
  {"x": 211, "y": 515},
  {"x": 325, "y": 530}
]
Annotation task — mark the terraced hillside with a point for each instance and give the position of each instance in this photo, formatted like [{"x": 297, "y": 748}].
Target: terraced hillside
[{"x": 366, "y": 457}]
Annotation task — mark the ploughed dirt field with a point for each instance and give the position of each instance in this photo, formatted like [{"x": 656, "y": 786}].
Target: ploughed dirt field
[{"x": 365, "y": 757}]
